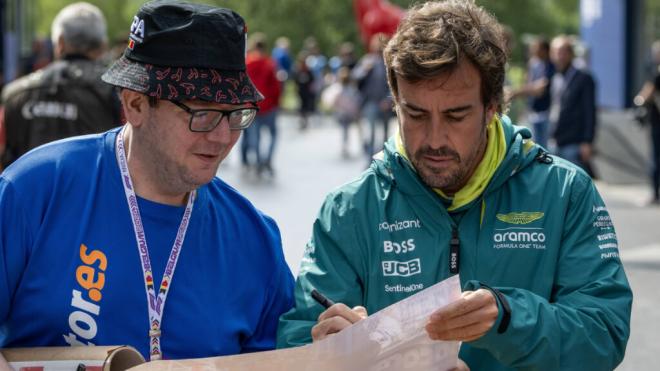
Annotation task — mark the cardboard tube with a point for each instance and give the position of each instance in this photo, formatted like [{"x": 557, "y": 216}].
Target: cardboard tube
[{"x": 106, "y": 358}]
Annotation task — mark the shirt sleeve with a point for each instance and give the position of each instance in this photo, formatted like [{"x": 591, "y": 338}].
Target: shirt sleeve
[
  {"x": 586, "y": 320},
  {"x": 14, "y": 241},
  {"x": 278, "y": 298},
  {"x": 325, "y": 256}
]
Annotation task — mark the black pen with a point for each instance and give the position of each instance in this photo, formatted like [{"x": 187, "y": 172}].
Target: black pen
[{"x": 321, "y": 299}]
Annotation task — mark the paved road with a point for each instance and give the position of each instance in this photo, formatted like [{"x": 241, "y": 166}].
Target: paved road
[{"x": 309, "y": 164}]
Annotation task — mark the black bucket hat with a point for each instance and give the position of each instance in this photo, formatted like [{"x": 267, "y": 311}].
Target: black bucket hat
[{"x": 181, "y": 51}]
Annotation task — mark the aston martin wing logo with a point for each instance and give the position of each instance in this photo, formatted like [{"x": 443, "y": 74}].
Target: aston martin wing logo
[{"x": 522, "y": 217}]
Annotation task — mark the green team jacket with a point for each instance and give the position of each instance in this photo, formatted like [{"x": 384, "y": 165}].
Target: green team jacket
[{"x": 539, "y": 234}]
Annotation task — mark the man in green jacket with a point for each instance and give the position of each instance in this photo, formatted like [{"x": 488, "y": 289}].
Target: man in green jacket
[{"x": 460, "y": 190}]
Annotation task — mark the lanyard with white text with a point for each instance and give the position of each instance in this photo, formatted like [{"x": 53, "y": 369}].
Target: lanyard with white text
[{"x": 156, "y": 302}]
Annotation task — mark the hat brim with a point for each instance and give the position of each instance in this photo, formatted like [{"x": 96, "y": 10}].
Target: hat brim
[{"x": 183, "y": 83}]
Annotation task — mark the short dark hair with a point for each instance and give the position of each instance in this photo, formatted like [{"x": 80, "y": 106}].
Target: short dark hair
[
  {"x": 257, "y": 41},
  {"x": 153, "y": 101},
  {"x": 435, "y": 36},
  {"x": 544, "y": 44}
]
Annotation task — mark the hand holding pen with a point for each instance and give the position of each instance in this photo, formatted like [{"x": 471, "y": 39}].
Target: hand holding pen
[
  {"x": 335, "y": 318},
  {"x": 321, "y": 299}
]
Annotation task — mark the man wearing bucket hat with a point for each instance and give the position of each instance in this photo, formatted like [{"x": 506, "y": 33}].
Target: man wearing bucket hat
[{"x": 76, "y": 215}]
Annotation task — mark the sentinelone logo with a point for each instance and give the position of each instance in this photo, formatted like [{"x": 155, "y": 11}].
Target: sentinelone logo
[
  {"x": 519, "y": 238},
  {"x": 399, "y": 225}
]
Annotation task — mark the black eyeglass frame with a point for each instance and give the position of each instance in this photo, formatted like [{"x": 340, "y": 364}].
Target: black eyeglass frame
[{"x": 223, "y": 114}]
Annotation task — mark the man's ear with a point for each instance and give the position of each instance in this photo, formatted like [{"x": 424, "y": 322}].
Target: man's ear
[
  {"x": 135, "y": 105},
  {"x": 491, "y": 110},
  {"x": 59, "y": 48}
]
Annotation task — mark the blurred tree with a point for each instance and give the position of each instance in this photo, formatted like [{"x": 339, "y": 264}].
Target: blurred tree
[
  {"x": 535, "y": 17},
  {"x": 332, "y": 21},
  {"x": 118, "y": 14},
  {"x": 652, "y": 10}
]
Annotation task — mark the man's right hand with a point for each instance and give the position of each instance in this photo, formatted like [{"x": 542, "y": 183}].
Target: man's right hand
[{"x": 337, "y": 318}]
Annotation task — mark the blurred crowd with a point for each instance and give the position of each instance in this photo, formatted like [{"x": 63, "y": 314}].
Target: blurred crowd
[{"x": 556, "y": 98}]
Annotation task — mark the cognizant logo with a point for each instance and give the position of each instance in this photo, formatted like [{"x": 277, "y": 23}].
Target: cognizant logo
[{"x": 399, "y": 225}]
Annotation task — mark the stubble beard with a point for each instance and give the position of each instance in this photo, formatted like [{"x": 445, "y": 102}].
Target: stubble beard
[
  {"x": 173, "y": 177},
  {"x": 449, "y": 179}
]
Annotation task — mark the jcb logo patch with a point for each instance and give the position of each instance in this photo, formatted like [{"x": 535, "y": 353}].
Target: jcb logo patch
[
  {"x": 402, "y": 269},
  {"x": 520, "y": 217}
]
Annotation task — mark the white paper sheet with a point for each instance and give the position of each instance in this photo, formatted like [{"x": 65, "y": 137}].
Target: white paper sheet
[{"x": 392, "y": 339}]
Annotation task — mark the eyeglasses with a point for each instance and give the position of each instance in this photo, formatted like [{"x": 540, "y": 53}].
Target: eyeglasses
[{"x": 204, "y": 120}]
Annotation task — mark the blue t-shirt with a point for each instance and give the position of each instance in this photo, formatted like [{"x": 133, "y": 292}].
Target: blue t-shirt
[{"x": 70, "y": 271}]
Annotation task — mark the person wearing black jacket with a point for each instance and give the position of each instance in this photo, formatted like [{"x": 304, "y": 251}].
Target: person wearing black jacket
[
  {"x": 67, "y": 97},
  {"x": 649, "y": 97},
  {"x": 573, "y": 108}
]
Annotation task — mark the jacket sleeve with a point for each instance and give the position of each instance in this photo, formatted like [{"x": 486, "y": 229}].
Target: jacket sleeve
[
  {"x": 586, "y": 318},
  {"x": 331, "y": 252}
]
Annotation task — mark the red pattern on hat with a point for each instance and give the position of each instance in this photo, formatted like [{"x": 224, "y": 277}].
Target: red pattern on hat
[
  {"x": 160, "y": 75},
  {"x": 219, "y": 96},
  {"x": 177, "y": 76},
  {"x": 158, "y": 93},
  {"x": 234, "y": 97},
  {"x": 233, "y": 82},
  {"x": 173, "y": 93},
  {"x": 189, "y": 83},
  {"x": 216, "y": 77},
  {"x": 188, "y": 86}
]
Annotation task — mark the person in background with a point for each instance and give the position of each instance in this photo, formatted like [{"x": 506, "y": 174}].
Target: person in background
[
  {"x": 128, "y": 237},
  {"x": 281, "y": 53},
  {"x": 376, "y": 101},
  {"x": 263, "y": 72},
  {"x": 537, "y": 88},
  {"x": 317, "y": 63},
  {"x": 461, "y": 190},
  {"x": 346, "y": 106},
  {"x": 573, "y": 118},
  {"x": 345, "y": 58},
  {"x": 304, "y": 79},
  {"x": 67, "y": 97},
  {"x": 649, "y": 97}
]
